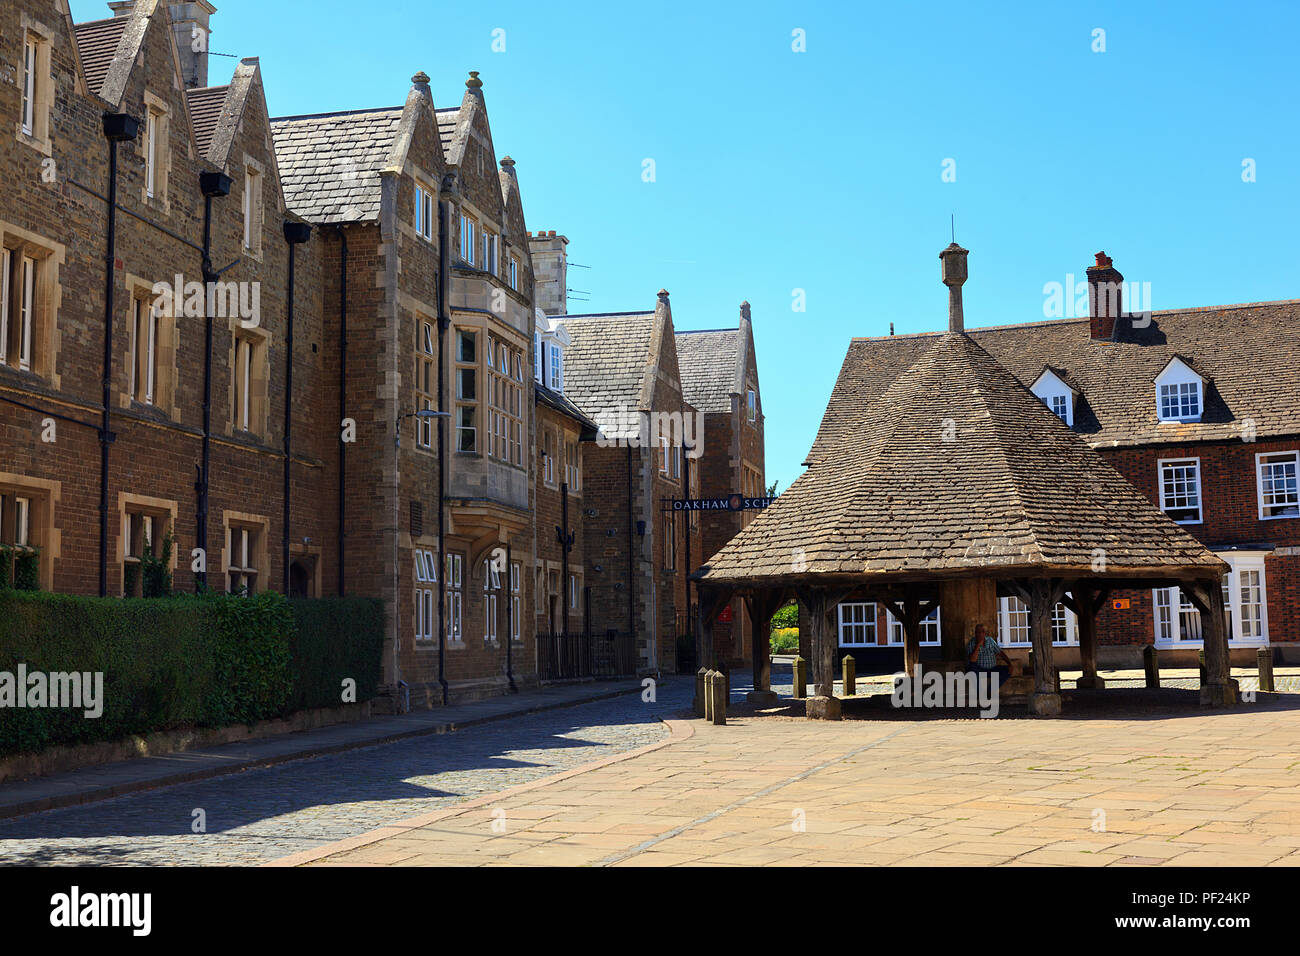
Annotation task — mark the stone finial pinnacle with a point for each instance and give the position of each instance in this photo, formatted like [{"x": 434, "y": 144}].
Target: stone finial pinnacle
[
  {"x": 744, "y": 309},
  {"x": 420, "y": 79},
  {"x": 954, "y": 272},
  {"x": 663, "y": 294},
  {"x": 474, "y": 83},
  {"x": 507, "y": 163}
]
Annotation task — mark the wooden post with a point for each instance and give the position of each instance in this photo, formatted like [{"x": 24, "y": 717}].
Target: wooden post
[
  {"x": 1264, "y": 664},
  {"x": 1218, "y": 689},
  {"x": 965, "y": 602},
  {"x": 1046, "y": 698},
  {"x": 819, "y": 604},
  {"x": 760, "y": 607},
  {"x": 709, "y": 676},
  {"x": 1151, "y": 661},
  {"x": 849, "y": 667},
  {"x": 1086, "y": 606},
  {"x": 911, "y": 644},
  {"x": 800, "y": 668}
]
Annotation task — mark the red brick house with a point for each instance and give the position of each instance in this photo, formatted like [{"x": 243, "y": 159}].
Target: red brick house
[
  {"x": 719, "y": 371},
  {"x": 1195, "y": 407}
]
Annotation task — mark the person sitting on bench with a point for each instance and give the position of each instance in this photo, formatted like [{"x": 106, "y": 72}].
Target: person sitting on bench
[{"x": 984, "y": 655}]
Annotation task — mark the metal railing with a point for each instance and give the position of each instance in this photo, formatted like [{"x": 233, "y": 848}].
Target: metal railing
[{"x": 581, "y": 656}]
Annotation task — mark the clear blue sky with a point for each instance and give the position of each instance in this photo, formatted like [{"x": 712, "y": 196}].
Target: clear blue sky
[{"x": 821, "y": 170}]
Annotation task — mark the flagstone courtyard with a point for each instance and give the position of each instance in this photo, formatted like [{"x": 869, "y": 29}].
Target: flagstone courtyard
[{"x": 1123, "y": 785}]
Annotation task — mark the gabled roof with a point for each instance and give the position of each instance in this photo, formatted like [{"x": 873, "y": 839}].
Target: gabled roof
[
  {"x": 1251, "y": 353},
  {"x": 205, "y": 108},
  {"x": 97, "y": 43},
  {"x": 605, "y": 366},
  {"x": 330, "y": 162},
  {"x": 706, "y": 362},
  {"x": 957, "y": 469},
  {"x": 1057, "y": 374}
]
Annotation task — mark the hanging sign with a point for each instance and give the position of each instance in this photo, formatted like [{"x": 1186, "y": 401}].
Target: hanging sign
[{"x": 729, "y": 503}]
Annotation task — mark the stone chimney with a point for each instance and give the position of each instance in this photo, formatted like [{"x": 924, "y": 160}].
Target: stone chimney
[
  {"x": 1105, "y": 299},
  {"x": 193, "y": 36},
  {"x": 953, "y": 260},
  {"x": 550, "y": 272}
]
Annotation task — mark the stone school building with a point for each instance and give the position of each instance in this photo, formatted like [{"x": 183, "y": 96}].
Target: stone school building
[{"x": 309, "y": 351}]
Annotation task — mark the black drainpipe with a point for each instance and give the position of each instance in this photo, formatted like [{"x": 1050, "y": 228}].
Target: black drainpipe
[
  {"x": 294, "y": 234},
  {"x": 686, "y": 520},
  {"x": 510, "y": 622},
  {"x": 118, "y": 128},
  {"x": 444, "y": 322},
  {"x": 631, "y": 565},
  {"x": 212, "y": 185},
  {"x": 566, "y": 545},
  {"x": 343, "y": 395}
]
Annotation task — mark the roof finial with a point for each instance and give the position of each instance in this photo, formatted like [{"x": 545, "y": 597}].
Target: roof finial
[
  {"x": 507, "y": 163},
  {"x": 954, "y": 274},
  {"x": 744, "y": 310},
  {"x": 474, "y": 83},
  {"x": 420, "y": 79}
]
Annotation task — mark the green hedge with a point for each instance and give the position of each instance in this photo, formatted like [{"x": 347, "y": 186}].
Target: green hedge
[
  {"x": 178, "y": 662},
  {"x": 335, "y": 639}
]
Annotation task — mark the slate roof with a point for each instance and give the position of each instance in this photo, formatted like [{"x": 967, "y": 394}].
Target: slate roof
[
  {"x": 330, "y": 162},
  {"x": 205, "y": 107},
  {"x": 605, "y": 365},
  {"x": 97, "y": 43},
  {"x": 1250, "y": 354},
  {"x": 564, "y": 406},
  {"x": 447, "y": 119},
  {"x": 956, "y": 469},
  {"x": 706, "y": 363}
]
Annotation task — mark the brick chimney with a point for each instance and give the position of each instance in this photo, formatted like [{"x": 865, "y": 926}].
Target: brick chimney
[
  {"x": 1105, "y": 295},
  {"x": 193, "y": 36},
  {"x": 954, "y": 273},
  {"x": 550, "y": 272}
]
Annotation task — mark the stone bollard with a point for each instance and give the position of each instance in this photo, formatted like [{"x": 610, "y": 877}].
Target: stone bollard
[
  {"x": 1264, "y": 656},
  {"x": 700, "y": 702},
  {"x": 1151, "y": 661},
  {"x": 707, "y": 694},
  {"x": 849, "y": 666},
  {"x": 800, "y": 678},
  {"x": 718, "y": 697}
]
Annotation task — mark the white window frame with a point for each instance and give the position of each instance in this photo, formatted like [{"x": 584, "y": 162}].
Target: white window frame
[
  {"x": 931, "y": 630},
  {"x": 1293, "y": 505},
  {"x": 144, "y": 318},
  {"x": 514, "y": 273},
  {"x": 26, "y": 312},
  {"x": 468, "y": 239},
  {"x": 423, "y": 213},
  {"x": 1171, "y": 463},
  {"x": 426, "y": 573},
  {"x": 491, "y": 610},
  {"x": 6, "y": 265},
  {"x": 556, "y": 365},
  {"x": 243, "y": 382},
  {"x": 1051, "y": 390},
  {"x": 752, "y": 400},
  {"x": 490, "y": 247},
  {"x": 1248, "y": 563},
  {"x": 1007, "y": 611},
  {"x": 858, "y": 622},
  {"x": 29, "y": 86}
]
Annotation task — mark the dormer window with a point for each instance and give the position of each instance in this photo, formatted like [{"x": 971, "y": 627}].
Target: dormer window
[
  {"x": 1057, "y": 394},
  {"x": 1179, "y": 392},
  {"x": 556, "y": 377}
]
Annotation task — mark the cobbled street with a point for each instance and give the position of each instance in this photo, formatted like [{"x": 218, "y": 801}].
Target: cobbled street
[{"x": 260, "y": 815}]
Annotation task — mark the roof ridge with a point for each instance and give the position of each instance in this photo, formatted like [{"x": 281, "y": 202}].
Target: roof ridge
[
  {"x": 1042, "y": 323},
  {"x": 335, "y": 113}
]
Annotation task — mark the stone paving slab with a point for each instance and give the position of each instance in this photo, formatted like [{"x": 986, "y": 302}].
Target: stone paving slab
[
  {"x": 774, "y": 790},
  {"x": 265, "y": 813},
  {"x": 127, "y": 776}
]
